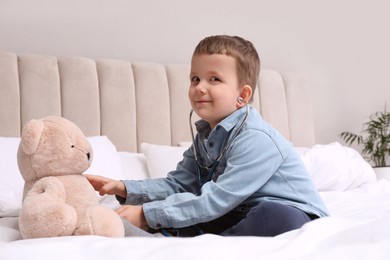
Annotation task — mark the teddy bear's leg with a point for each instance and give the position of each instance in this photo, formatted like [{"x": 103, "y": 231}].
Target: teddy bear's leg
[
  {"x": 100, "y": 221},
  {"x": 44, "y": 212}
]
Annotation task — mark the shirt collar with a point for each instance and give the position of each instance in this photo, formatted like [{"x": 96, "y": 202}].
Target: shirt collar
[{"x": 231, "y": 120}]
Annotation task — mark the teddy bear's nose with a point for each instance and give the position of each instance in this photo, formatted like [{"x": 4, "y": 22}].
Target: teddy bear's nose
[{"x": 88, "y": 156}]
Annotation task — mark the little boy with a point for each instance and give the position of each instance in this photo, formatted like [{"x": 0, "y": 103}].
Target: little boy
[{"x": 240, "y": 177}]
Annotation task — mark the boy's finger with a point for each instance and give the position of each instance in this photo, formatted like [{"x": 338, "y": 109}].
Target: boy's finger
[
  {"x": 90, "y": 177},
  {"x": 108, "y": 188}
]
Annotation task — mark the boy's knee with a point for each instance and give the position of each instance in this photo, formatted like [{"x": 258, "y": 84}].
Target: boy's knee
[{"x": 276, "y": 218}]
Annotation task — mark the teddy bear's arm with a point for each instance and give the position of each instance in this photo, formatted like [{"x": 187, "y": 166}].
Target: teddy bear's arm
[{"x": 44, "y": 212}]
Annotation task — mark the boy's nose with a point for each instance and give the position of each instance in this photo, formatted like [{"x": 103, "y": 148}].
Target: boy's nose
[{"x": 200, "y": 88}]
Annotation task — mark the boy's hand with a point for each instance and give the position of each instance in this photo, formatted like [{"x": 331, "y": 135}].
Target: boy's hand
[
  {"x": 106, "y": 185},
  {"x": 133, "y": 214}
]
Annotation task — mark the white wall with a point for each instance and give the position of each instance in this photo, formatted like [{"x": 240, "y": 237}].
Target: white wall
[{"x": 343, "y": 45}]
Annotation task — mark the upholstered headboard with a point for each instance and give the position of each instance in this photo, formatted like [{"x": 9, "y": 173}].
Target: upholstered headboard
[{"x": 133, "y": 103}]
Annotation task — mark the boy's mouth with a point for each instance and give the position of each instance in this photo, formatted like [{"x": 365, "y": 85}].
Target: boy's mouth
[{"x": 202, "y": 101}]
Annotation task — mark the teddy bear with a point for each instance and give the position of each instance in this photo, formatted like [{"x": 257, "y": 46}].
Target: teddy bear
[{"x": 58, "y": 200}]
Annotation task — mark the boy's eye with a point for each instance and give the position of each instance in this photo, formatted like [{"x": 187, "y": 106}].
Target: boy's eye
[
  {"x": 194, "y": 79},
  {"x": 214, "y": 79}
]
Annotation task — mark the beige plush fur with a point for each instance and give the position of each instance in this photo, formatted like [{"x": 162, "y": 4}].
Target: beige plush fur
[{"x": 58, "y": 199}]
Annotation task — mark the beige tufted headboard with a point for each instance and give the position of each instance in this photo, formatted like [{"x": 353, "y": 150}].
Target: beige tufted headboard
[{"x": 133, "y": 103}]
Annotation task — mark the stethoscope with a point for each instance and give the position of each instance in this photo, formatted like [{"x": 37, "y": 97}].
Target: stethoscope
[{"x": 211, "y": 167}]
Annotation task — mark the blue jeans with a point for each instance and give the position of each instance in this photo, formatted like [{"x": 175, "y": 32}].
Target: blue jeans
[{"x": 264, "y": 219}]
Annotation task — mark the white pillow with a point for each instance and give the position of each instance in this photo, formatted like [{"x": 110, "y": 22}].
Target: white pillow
[
  {"x": 11, "y": 182},
  {"x": 105, "y": 158},
  {"x": 334, "y": 167},
  {"x": 162, "y": 159},
  {"x": 133, "y": 166},
  {"x": 105, "y": 162}
]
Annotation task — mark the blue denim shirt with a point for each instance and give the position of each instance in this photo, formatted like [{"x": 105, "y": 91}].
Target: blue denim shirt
[{"x": 260, "y": 165}]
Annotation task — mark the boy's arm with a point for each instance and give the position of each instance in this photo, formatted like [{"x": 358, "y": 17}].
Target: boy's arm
[
  {"x": 183, "y": 179},
  {"x": 106, "y": 185},
  {"x": 133, "y": 214}
]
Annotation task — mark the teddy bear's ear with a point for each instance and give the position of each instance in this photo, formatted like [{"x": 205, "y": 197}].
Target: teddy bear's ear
[{"x": 31, "y": 134}]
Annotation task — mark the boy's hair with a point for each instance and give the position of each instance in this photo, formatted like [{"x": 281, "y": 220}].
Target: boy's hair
[{"x": 243, "y": 51}]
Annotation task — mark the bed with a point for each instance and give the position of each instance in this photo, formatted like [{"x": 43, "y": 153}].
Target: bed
[{"x": 136, "y": 118}]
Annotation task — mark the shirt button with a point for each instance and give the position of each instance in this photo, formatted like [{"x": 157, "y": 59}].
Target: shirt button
[{"x": 211, "y": 144}]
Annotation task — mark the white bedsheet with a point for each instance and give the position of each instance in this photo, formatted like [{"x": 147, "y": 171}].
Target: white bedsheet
[{"x": 359, "y": 228}]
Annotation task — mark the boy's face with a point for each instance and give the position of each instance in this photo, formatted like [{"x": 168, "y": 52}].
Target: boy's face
[{"x": 214, "y": 87}]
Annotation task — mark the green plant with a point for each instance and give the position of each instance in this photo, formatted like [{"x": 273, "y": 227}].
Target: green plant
[{"x": 376, "y": 142}]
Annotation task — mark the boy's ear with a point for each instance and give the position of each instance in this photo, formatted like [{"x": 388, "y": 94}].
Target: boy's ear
[{"x": 245, "y": 94}]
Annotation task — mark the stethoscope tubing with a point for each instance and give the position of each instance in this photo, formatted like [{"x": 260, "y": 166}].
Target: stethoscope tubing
[{"x": 214, "y": 165}]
